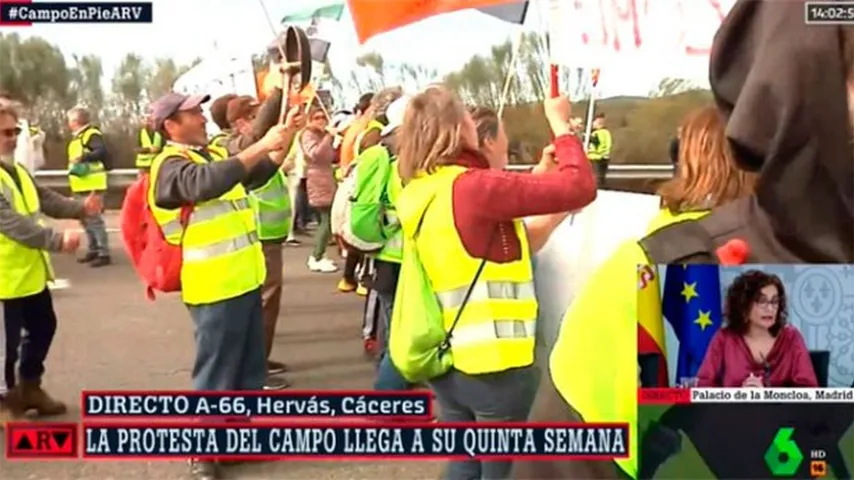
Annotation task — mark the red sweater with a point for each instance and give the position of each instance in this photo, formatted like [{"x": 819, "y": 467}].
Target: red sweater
[
  {"x": 485, "y": 199},
  {"x": 728, "y": 362}
]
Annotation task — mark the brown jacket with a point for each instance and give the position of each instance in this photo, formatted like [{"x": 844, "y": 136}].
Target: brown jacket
[{"x": 319, "y": 174}]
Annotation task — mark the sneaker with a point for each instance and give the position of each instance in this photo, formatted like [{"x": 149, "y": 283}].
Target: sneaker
[
  {"x": 345, "y": 286},
  {"x": 87, "y": 258},
  {"x": 292, "y": 241},
  {"x": 324, "y": 265},
  {"x": 362, "y": 290},
  {"x": 276, "y": 383},
  {"x": 274, "y": 367},
  {"x": 101, "y": 261}
]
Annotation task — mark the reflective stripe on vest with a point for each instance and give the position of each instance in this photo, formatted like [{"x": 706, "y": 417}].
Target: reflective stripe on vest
[
  {"x": 143, "y": 160},
  {"x": 218, "y": 140},
  {"x": 96, "y": 178},
  {"x": 496, "y": 328},
  {"x": 221, "y": 250},
  {"x": 272, "y": 204},
  {"x": 25, "y": 271},
  {"x": 484, "y": 291}
]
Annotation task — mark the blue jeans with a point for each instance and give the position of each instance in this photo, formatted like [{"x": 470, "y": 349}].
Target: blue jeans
[
  {"x": 388, "y": 377},
  {"x": 96, "y": 231},
  {"x": 494, "y": 397},
  {"x": 230, "y": 353}
]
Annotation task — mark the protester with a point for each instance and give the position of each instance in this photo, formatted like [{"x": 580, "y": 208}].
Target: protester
[
  {"x": 223, "y": 269},
  {"x": 272, "y": 207},
  {"x": 316, "y": 144},
  {"x": 25, "y": 241},
  {"x": 387, "y": 260},
  {"x": 150, "y": 144},
  {"x": 757, "y": 348},
  {"x": 756, "y": 89},
  {"x": 30, "y": 145},
  {"x": 88, "y": 159},
  {"x": 219, "y": 115},
  {"x": 357, "y": 266},
  {"x": 599, "y": 149},
  {"x": 467, "y": 212},
  {"x": 348, "y": 150},
  {"x": 674, "y": 148}
]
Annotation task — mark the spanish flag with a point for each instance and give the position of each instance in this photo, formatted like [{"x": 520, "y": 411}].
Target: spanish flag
[{"x": 651, "y": 320}]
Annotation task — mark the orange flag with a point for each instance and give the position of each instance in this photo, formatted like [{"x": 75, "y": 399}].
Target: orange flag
[{"x": 372, "y": 17}]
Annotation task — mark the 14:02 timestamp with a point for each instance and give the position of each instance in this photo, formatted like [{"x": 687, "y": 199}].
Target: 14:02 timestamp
[{"x": 829, "y": 13}]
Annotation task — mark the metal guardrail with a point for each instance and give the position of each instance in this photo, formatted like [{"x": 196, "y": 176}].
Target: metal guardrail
[{"x": 123, "y": 177}]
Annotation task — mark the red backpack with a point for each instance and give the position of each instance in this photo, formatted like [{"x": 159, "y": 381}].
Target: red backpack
[{"x": 157, "y": 262}]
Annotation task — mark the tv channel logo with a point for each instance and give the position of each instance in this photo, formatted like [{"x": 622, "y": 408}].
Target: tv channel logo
[{"x": 784, "y": 457}]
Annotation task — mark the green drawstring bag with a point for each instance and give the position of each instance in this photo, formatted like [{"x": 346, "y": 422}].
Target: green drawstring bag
[
  {"x": 418, "y": 343},
  {"x": 79, "y": 169}
]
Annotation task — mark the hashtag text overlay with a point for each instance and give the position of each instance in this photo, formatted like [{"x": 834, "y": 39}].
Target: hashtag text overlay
[{"x": 29, "y": 13}]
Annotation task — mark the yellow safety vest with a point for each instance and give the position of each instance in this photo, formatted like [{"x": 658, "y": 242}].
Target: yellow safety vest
[
  {"x": 593, "y": 364},
  {"x": 392, "y": 251},
  {"x": 603, "y": 148},
  {"x": 357, "y": 146},
  {"x": 96, "y": 179},
  {"x": 272, "y": 205},
  {"x": 143, "y": 160},
  {"x": 25, "y": 271},
  {"x": 496, "y": 329},
  {"x": 221, "y": 252},
  {"x": 218, "y": 140}
]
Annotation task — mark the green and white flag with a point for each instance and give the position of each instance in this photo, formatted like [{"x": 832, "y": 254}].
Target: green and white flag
[{"x": 317, "y": 23}]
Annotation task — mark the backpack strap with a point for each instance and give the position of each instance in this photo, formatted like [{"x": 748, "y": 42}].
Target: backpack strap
[{"x": 683, "y": 242}]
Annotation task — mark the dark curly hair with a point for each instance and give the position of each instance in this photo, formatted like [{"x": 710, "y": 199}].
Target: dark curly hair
[{"x": 744, "y": 291}]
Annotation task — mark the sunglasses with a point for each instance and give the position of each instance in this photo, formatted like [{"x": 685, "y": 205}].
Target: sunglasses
[{"x": 10, "y": 132}]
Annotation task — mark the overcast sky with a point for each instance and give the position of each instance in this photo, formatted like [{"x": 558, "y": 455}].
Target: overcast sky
[{"x": 186, "y": 29}]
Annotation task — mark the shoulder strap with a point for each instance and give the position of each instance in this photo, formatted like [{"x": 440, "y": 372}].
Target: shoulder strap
[
  {"x": 13, "y": 172},
  {"x": 682, "y": 242},
  {"x": 446, "y": 344}
]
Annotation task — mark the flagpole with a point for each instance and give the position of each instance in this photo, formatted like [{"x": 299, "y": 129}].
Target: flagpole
[
  {"x": 508, "y": 80},
  {"x": 591, "y": 108}
]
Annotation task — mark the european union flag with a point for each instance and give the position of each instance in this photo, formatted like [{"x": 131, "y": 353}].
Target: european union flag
[{"x": 692, "y": 306}]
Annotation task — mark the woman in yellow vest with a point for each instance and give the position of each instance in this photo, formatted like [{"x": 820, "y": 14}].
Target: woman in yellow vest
[
  {"x": 592, "y": 369},
  {"x": 464, "y": 214}
]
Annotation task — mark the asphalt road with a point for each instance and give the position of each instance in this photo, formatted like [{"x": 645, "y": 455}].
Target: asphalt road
[{"x": 111, "y": 337}]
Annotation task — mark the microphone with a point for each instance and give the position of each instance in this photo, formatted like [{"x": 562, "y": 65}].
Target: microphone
[{"x": 734, "y": 252}]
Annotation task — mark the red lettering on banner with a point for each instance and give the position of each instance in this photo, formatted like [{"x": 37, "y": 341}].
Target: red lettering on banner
[
  {"x": 624, "y": 26},
  {"x": 718, "y": 8}
]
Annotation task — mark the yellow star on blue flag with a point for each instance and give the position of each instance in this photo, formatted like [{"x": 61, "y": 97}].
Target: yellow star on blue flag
[{"x": 692, "y": 305}]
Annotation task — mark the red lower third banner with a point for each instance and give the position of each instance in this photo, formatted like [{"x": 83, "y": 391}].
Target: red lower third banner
[
  {"x": 36, "y": 441},
  {"x": 663, "y": 396}
]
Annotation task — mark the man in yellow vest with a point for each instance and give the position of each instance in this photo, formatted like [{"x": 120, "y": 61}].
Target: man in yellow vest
[
  {"x": 218, "y": 111},
  {"x": 223, "y": 263},
  {"x": 150, "y": 144},
  {"x": 272, "y": 205},
  {"x": 599, "y": 150},
  {"x": 87, "y": 175},
  {"x": 25, "y": 270}
]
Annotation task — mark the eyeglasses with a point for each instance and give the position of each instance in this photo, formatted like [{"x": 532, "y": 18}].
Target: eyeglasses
[
  {"x": 10, "y": 132},
  {"x": 765, "y": 303}
]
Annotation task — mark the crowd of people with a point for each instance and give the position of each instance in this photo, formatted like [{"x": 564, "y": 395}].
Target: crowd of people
[{"x": 451, "y": 231}]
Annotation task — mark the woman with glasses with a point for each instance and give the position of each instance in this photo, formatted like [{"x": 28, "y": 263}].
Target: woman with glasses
[{"x": 756, "y": 347}]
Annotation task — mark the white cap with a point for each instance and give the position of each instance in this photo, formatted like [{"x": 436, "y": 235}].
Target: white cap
[
  {"x": 342, "y": 120},
  {"x": 394, "y": 113}
]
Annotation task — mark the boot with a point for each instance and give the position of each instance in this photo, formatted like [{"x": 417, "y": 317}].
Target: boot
[
  {"x": 34, "y": 398},
  {"x": 11, "y": 410}
]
